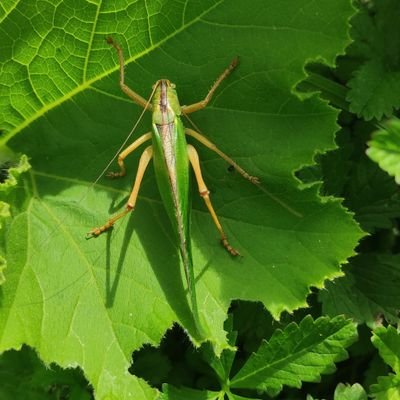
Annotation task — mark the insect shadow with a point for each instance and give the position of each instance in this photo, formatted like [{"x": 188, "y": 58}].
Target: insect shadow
[{"x": 154, "y": 233}]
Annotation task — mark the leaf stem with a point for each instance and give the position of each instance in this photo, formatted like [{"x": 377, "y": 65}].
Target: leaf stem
[{"x": 330, "y": 90}]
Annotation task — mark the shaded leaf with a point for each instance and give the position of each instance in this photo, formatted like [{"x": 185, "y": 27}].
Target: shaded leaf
[
  {"x": 373, "y": 91},
  {"x": 369, "y": 289},
  {"x": 24, "y": 376},
  {"x": 374, "y": 86},
  {"x": 170, "y": 392},
  {"x": 232, "y": 396},
  {"x": 347, "y": 172}
]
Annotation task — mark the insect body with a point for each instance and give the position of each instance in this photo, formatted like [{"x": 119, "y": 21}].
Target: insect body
[{"x": 171, "y": 157}]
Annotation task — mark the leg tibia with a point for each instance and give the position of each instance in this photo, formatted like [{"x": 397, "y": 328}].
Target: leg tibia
[
  {"x": 143, "y": 163},
  {"x": 204, "y": 193}
]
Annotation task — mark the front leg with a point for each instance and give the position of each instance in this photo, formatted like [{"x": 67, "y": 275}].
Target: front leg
[
  {"x": 203, "y": 103},
  {"x": 126, "y": 89}
]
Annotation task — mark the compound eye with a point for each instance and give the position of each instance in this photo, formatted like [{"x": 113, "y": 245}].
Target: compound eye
[{"x": 173, "y": 86}]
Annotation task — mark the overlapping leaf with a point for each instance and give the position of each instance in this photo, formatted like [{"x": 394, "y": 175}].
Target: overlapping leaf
[
  {"x": 387, "y": 341},
  {"x": 350, "y": 392},
  {"x": 384, "y": 148},
  {"x": 90, "y": 303},
  {"x": 373, "y": 90},
  {"x": 24, "y": 376},
  {"x": 369, "y": 289}
]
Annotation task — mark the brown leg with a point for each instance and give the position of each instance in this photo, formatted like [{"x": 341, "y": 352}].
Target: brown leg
[
  {"x": 213, "y": 147},
  {"x": 126, "y": 152},
  {"x": 203, "y": 103},
  {"x": 128, "y": 91},
  {"x": 143, "y": 163},
  {"x": 204, "y": 193}
]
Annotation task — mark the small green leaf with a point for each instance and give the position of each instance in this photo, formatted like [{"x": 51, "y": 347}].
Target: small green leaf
[
  {"x": 384, "y": 148},
  {"x": 350, "y": 392},
  {"x": 387, "y": 341},
  {"x": 298, "y": 353},
  {"x": 13, "y": 174}
]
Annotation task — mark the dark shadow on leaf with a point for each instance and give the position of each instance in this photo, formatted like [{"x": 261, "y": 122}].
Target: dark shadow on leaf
[
  {"x": 165, "y": 261},
  {"x": 111, "y": 288}
]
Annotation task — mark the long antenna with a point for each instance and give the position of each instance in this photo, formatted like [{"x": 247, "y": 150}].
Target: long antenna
[{"x": 125, "y": 141}]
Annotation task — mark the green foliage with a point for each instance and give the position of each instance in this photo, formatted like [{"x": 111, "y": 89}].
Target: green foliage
[
  {"x": 93, "y": 303},
  {"x": 387, "y": 341},
  {"x": 384, "y": 148},
  {"x": 347, "y": 392},
  {"x": 369, "y": 290},
  {"x": 23, "y": 376},
  {"x": 374, "y": 89},
  {"x": 299, "y": 353}
]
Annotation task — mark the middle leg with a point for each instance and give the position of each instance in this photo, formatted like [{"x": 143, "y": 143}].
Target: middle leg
[
  {"x": 202, "y": 139},
  {"x": 126, "y": 152}
]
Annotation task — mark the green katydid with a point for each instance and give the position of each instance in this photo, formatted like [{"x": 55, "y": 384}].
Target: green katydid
[{"x": 171, "y": 157}]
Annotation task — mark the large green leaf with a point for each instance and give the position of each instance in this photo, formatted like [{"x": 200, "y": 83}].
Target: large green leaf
[{"x": 91, "y": 303}]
